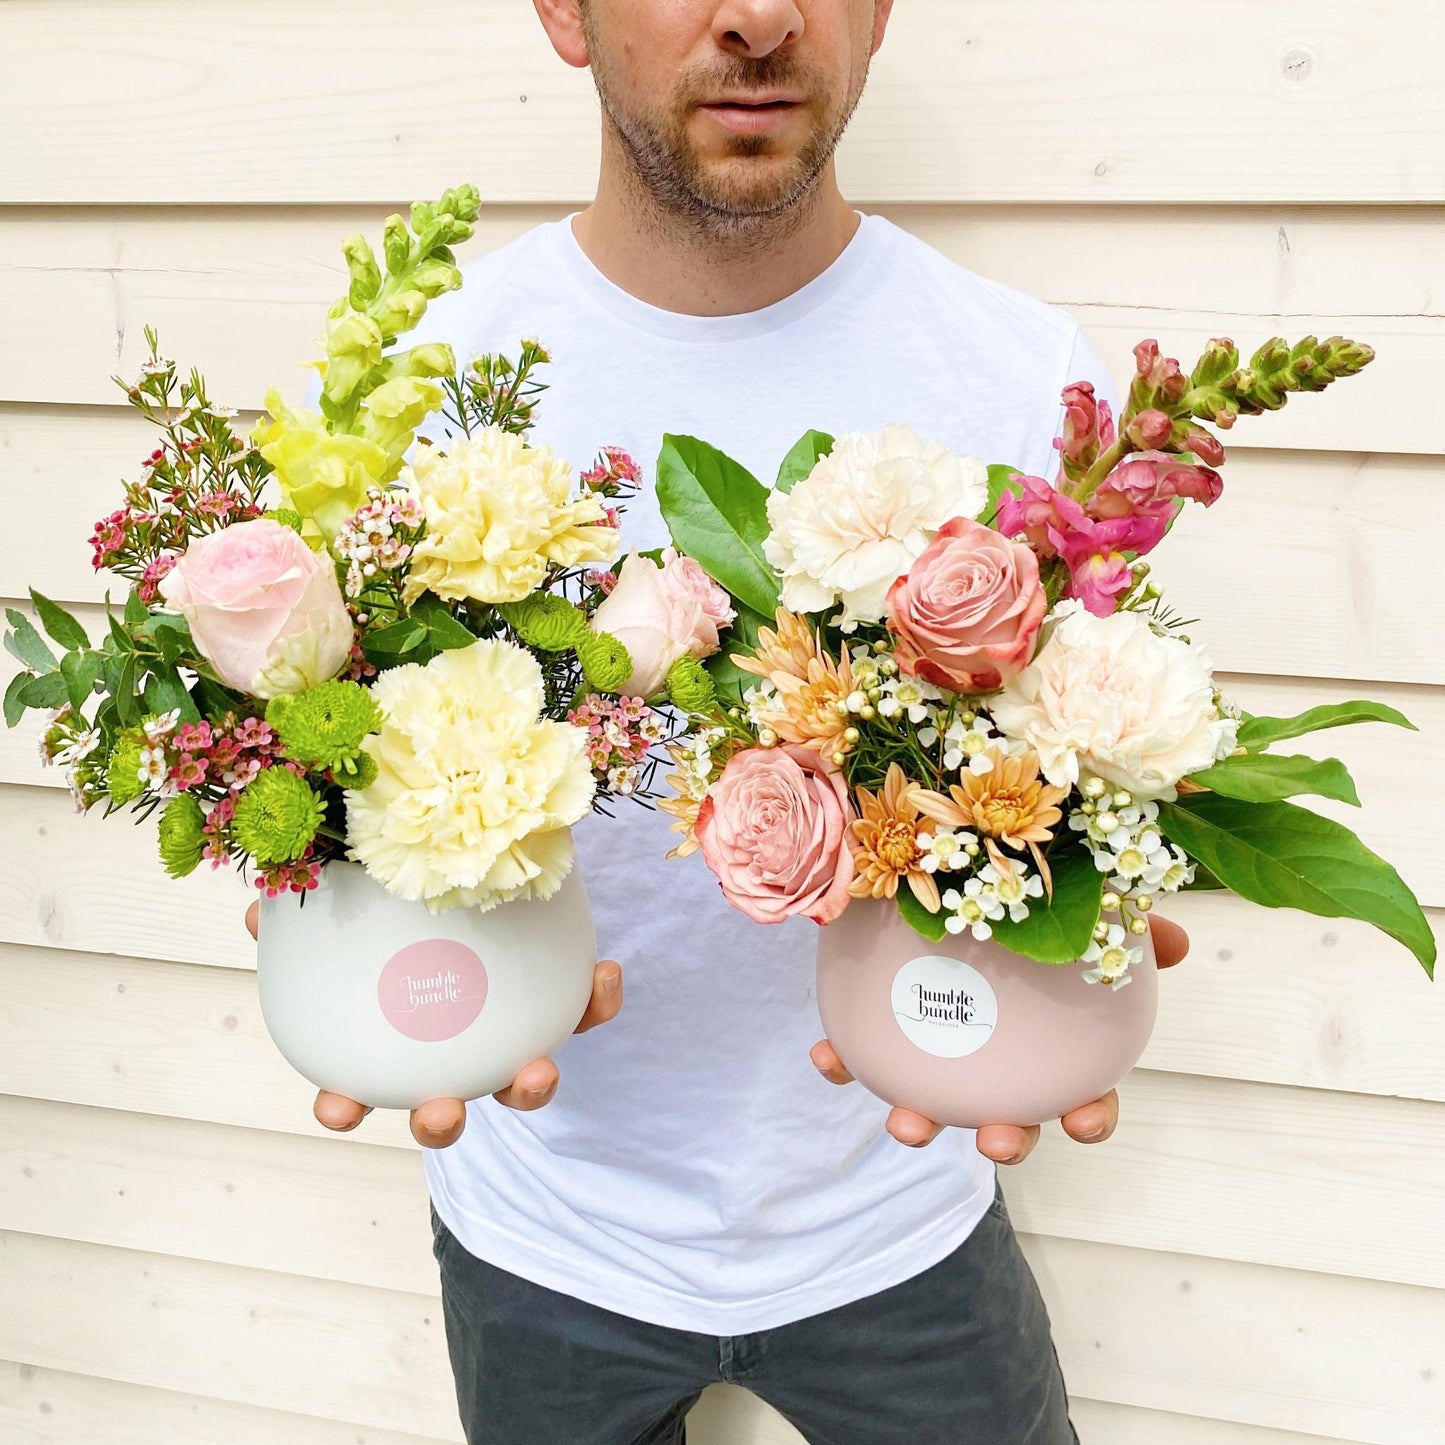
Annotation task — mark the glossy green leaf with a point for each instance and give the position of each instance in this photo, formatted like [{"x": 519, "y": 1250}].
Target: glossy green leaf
[
  {"x": 802, "y": 458},
  {"x": 1058, "y": 931},
  {"x": 716, "y": 512},
  {"x": 394, "y": 640},
  {"x": 1264, "y": 778},
  {"x": 919, "y": 919},
  {"x": 59, "y": 623},
  {"x": 1284, "y": 856},
  {"x": 1001, "y": 482},
  {"x": 1262, "y": 732},
  {"x": 728, "y": 678}
]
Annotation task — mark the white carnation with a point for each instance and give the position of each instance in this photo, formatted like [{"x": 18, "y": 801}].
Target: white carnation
[
  {"x": 858, "y": 520},
  {"x": 1111, "y": 697}
]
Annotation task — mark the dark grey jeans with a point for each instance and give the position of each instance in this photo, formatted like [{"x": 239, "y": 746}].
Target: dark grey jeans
[{"x": 959, "y": 1355}]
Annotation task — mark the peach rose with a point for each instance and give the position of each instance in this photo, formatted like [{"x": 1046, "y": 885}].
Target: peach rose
[
  {"x": 264, "y": 609},
  {"x": 774, "y": 828},
  {"x": 966, "y": 615},
  {"x": 658, "y": 618}
]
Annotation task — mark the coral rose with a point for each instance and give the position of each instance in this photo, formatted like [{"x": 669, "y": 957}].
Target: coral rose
[
  {"x": 774, "y": 828},
  {"x": 659, "y": 616},
  {"x": 966, "y": 615},
  {"x": 264, "y": 609}
]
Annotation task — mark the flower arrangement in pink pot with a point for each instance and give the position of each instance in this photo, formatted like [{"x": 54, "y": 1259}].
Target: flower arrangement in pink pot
[
  {"x": 956, "y": 725},
  {"x": 383, "y": 674}
]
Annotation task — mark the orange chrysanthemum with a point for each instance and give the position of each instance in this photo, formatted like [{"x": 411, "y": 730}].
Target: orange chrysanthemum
[
  {"x": 885, "y": 843},
  {"x": 788, "y": 648},
  {"x": 812, "y": 710},
  {"x": 1009, "y": 804}
]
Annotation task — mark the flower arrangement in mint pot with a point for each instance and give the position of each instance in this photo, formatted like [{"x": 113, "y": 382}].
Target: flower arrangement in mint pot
[
  {"x": 369, "y": 668},
  {"x": 956, "y": 723}
]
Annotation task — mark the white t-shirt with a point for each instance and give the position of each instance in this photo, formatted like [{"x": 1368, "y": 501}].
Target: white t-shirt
[{"x": 694, "y": 1169}]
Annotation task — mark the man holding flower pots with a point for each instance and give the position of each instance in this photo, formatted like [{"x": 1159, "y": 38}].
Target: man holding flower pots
[{"x": 695, "y": 1206}]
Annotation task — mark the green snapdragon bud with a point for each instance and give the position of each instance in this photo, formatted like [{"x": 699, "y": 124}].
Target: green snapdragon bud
[
  {"x": 353, "y": 348},
  {"x": 365, "y": 273}
]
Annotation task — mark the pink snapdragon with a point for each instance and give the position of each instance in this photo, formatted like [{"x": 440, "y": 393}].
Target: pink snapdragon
[
  {"x": 1088, "y": 426},
  {"x": 1153, "y": 482}
]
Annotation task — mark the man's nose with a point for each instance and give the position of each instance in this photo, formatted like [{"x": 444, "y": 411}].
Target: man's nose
[{"x": 757, "y": 27}]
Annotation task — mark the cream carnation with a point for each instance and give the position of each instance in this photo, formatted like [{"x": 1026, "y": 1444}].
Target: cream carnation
[
  {"x": 1109, "y": 696},
  {"x": 858, "y": 520},
  {"x": 498, "y": 512},
  {"x": 475, "y": 792}
]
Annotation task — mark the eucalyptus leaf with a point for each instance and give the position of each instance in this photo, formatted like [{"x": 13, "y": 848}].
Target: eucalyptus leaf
[
  {"x": 122, "y": 641},
  {"x": 26, "y": 644},
  {"x": 127, "y": 709},
  {"x": 46, "y": 690},
  {"x": 14, "y": 705},
  {"x": 928, "y": 925},
  {"x": 136, "y": 611},
  {"x": 165, "y": 692},
  {"x": 394, "y": 640},
  {"x": 1284, "y": 856},
  {"x": 80, "y": 670},
  {"x": 716, "y": 511},
  {"x": 1059, "y": 931},
  {"x": 1256, "y": 733},
  {"x": 59, "y": 623},
  {"x": 1264, "y": 778},
  {"x": 802, "y": 458},
  {"x": 443, "y": 630}
]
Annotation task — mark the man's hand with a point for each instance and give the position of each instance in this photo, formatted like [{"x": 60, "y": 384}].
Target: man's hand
[
  {"x": 440, "y": 1122},
  {"x": 1009, "y": 1143}
]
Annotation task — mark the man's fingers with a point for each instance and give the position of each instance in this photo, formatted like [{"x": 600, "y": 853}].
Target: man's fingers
[
  {"x": 826, "y": 1061},
  {"x": 1007, "y": 1143},
  {"x": 338, "y": 1112},
  {"x": 912, "y": 1128},
  {"x": 438, "y": 1122},
  {"x": 253, "y": 920},
  {"x": 606, "y": 1000},
  {"x": 1093, "y": 1123},
  {"x": 1171, "y": 942},
  {"x": 533, "y": 1086}
]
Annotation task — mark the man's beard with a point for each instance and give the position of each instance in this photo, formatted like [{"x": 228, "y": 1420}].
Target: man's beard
[{"x": 713, "y": 200}]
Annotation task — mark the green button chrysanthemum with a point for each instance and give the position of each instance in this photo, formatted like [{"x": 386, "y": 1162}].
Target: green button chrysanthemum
[
  {"x": 323, "y": 727},
  {"x": 182, "y": 837},
  {"x": 605, "y": 661},
  {"x": 122, "y": 773},
  {"x": 548, "y": 623},
  {"x": 277, "y": 815},
  {"x": 689, "y": 686}
]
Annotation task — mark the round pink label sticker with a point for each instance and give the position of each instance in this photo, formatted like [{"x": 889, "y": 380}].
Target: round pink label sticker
[{"x": 432, "y": 990}]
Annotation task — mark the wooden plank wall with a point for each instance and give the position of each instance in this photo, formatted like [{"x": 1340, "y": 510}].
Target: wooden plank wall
[{"x": 1257, "y": 1258}]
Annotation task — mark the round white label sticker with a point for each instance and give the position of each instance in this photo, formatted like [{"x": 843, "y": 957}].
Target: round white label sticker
[{"x": 944, "y": 1005}]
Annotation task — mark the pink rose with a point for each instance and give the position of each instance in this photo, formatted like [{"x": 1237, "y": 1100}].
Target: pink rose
[
  {"x": 683, "y": 577},
  {"x": 774, "y": 828},
  {"x": 966, "y": 614},
  {"x": 264, "y": 609},
  {"x": 658, "y": 619}
]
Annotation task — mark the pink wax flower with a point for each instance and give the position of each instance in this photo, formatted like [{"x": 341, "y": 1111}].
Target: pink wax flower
[
  {"x": 966, "y": 614},
  {"x": 774, "y": 829}
]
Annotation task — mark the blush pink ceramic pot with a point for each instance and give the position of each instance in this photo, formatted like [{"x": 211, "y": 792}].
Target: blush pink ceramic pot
[
  {"x": 968, "y": 1033},
  {"x": 375, "y": 998}
]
